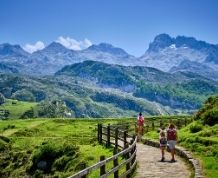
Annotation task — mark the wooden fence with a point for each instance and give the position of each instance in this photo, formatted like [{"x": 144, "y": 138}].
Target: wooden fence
[
  {"x": 163, "y": 123},
  {"x": 153, "y": 124},
  {"x": 124, "y": 147}
]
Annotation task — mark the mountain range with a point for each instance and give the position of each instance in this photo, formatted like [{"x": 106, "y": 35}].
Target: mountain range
[
  {"x": 164, "y": 53},
  {"x": 174, "y": 75},
  {"x": 182, "y": 54}
]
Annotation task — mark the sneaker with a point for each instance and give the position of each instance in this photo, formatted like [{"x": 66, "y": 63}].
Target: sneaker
[{"x": 173, "y": 161}]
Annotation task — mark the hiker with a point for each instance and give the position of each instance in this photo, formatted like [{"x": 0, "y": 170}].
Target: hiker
[
  {"x": 140, "y": 125},
  {"x": 171, "y": 140},
  {"x": 163, "y": 144}
]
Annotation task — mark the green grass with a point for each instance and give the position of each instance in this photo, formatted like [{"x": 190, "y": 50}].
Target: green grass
[
  {"x": 23, "y": 142},
  {"x": 16, "y": 108},
  {"x": 204, "y": 144}
]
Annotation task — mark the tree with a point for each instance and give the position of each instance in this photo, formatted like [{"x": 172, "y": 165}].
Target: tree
[{"x": 2, "y": 99}]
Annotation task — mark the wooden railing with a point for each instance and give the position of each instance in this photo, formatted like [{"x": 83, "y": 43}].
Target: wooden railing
[
  {"x": 163, "y": 123},
  {"x": 124, "y": 147}
]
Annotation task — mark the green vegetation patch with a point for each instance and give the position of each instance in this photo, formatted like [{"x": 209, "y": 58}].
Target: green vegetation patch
[
  {"x": 15, "y": 108},
  {"x": 50, "y": 147}
]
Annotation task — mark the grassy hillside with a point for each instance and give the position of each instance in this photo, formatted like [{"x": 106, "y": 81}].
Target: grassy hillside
[
  {"x": 49, "y": 147},
  {"x": 95, "y": 89},
  {"x": 201, "y": 136},
  {"x": 80, "y": 95},
  {"x": 176, "y": 90},
  {"x": 15, "y": 108}
]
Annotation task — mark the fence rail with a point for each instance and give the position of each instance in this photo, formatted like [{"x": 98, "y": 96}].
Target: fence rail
[{"x": 114, "y": 135}]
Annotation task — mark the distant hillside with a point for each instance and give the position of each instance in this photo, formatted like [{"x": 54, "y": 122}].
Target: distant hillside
[
  {"x": 81, "y": 96},
  {"x": 178, "y": 90},
  {"x": 13, "y": 109}
]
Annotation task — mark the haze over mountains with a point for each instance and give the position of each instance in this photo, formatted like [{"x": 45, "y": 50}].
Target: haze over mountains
[{"x": 174, "y": 75}]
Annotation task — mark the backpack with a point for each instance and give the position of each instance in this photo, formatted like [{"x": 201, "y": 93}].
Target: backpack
[
  {"x": 140, "y": 120},
  {"x": 171, "y": 134}
]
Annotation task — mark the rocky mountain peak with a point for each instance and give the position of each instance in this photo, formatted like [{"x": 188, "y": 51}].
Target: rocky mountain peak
[
  {"x": 160, "y": 41},
  {"x": 7, "y": 49},
  {"x": 54, "y": 46},
  {"x": 106, "y": 47}
]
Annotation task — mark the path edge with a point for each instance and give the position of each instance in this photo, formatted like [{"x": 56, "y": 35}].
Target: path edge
[{"x": 182, "y": 152}]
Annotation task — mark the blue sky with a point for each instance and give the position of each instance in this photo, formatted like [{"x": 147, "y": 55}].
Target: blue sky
[{"x": 129, "y": 24}]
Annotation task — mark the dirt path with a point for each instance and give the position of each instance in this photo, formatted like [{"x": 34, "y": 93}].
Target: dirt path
[{"x": 150, "y": 165}]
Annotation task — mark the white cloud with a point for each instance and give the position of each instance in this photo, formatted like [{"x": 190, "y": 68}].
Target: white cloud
[
  {"x": 34, "y": 47},
  {"x": 73, "y": 44}
]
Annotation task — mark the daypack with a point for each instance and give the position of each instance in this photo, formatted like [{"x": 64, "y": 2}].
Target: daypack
[
  {"x": 140, "y": 120},
  {"x": 171, "y": 134}
]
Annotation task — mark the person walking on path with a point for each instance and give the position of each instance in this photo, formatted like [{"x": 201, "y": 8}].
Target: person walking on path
[
  {"x": 140, "y": 126},
  {"x": 163, "y": 144},
  {"x": 172, "y": 139}
]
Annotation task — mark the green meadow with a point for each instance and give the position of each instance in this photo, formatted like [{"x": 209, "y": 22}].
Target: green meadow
[{"x": 66, "y": 146}]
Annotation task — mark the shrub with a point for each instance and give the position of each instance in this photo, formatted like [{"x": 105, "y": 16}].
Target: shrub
[
  {"x": 5, "y": 139},
  {"x": 55, "y": 155},
  {"x": 28, "y": 114},
  {"x": 4, "y": 143},
  {"x": 2, "y": 99},
  {"x": 23, "y": 95},
  {"x": 210, "y": 117},
  {"x": 195, "y": 127},
  {"x": 61, "y": 162}
]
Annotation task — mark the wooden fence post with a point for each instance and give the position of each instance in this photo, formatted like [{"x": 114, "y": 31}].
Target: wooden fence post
[
  {"x": 127, "y": 157},
  {"x": 100, "y": 133},
  {"x": 152, "y": 125},
  {"x": 116, "y": 138},
  {"x": 124, "y": 138},
  {"x": 178, "y": 123},
  {"x": 102, "y": 168},
  {"x": 83, "y": 167},
  {"x": 116, "y": 173},
  {"x": 132, "y": 151},
  {"x": 108, "y": 136},
  {"x": 161, "y": 124}
]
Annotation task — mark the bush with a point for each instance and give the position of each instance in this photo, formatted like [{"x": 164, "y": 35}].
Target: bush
[
  {"x": 61, "y": 162},
  {"x": 4, "y": 143},
  {"x": 2, "y": 99},
  {"x": 5, "y": 139},
  {"x": 28, "y": 114},
  {"x": 195, "y": 127},
  {"x": 55, "y": 155},
  {"x": 23, "y": 95},
  {"x": 210, "y": 117},
  {"x": 9, "y": 126}
]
